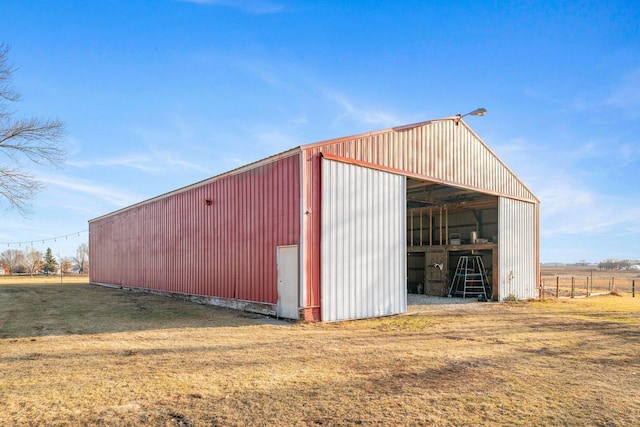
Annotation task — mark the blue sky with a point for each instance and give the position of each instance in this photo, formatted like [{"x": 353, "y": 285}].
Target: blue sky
[{"x": 160, "y": 94}]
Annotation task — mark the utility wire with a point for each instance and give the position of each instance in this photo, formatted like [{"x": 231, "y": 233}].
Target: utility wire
[{"x": 48, "y": 239}]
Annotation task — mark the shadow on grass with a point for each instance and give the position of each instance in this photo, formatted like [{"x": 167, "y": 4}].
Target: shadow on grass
[{"x": 63, "y": 309}]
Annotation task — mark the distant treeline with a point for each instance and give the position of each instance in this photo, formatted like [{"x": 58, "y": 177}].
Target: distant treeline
[
  {"x": 617, "y": 264},
  {"x": 32, "y": 261}
]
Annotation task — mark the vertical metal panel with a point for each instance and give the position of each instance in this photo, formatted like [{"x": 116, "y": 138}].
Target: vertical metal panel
[
  {"x": 227, "y": 249},
  {"x": 363, "y": 272},
  {"x": 519, "y": 249}
]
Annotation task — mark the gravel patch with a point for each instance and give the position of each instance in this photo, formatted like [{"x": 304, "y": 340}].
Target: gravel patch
[{"x": 425, "y": 303}]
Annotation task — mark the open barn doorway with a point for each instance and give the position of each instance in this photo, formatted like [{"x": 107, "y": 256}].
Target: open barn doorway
[{"x": 444, "y": 224}]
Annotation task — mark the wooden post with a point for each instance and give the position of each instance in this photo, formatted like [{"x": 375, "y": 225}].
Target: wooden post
[
  {"x": 557, "y": 286},
  {"x": 446, "y": 223},
  {"x": 412, "y": 228},
  {"x": 633, "y": 289},
  {"x": 430, "y": 226},
  {"x": 440, "y": 224},
  {"x": 573, "y": 286},
  {"x": 587, "y": 286},
  {"x": 421, "y": 228},
  {"x": 613, "y": 284}
]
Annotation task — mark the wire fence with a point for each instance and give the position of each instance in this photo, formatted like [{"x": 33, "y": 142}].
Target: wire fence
[{"x": 585, "y": 286}]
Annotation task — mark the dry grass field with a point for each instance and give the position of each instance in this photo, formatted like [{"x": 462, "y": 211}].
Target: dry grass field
[
  {"x": 77, "y": 354},
  {"x": 587, "y": 279},
  {"x": 42, "y": 279}
]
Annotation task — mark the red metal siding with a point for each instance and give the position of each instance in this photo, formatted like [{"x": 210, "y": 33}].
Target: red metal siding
[{"x": 181, "y": 245}]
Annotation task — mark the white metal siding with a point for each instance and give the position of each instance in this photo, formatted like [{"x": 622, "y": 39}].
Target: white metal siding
[
  {"x": 363, "y": 256},
  {"x": 518, "y": 253}
]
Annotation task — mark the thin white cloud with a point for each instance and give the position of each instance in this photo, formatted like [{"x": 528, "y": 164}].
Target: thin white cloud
[
  {"x": 562, "y": 197},
  {"x": 235, "y": 162},
  {"x": 627, "y": 93},
  {"x": 563, "y": 180},
  {"x": 300, "y": 82},
  {"x": 134, "y": 161},
  {"x": 184, "y": 164},
  {"x": 256, "y": 7},
  {"x": 307, "y": 90},
  {"x": 350, "y": 110},
  {"x": 116, "y": 196},
  {"x": 514, "y": 146},
  {"x": 621, "y": 96},
  {"x": 16, "y": 226},
  {"x": 157, "y": 157},
  {"x": 542, "y": 95},
  {"x": 156, "y": 161},
  {"x": 276, "y": 139},
  {"x": 142, "y": 163},
  {"x": 569, "y": 208},
  {"x": 629, "y": 153},
  {"x": 267, "y": 72}
]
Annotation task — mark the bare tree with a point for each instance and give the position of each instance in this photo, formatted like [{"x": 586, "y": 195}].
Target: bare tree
[
  {"x": 33, "y": 139},
  {"x": 11, "y": 258},
  {"x": 66, "y": 264},
  {"x": 82, "y": 255},
  {"x": 33, "y": 260}
]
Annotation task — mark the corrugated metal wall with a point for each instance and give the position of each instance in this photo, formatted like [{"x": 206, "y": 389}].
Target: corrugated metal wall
[
  {"x": 439, "y": 151},
  {"x": 226, "y": 249},
  {"x": 363, "y": 272},
  {"x": 518, "y": 248}
]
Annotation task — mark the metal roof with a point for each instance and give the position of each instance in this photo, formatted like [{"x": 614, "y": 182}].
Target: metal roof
[{"x": 442, "y": 151}]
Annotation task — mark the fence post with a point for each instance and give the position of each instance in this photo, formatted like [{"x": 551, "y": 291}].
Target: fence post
[
  {"x": 557, "y": 286},
  {"x": 613, "y": 284},
  {"x": 633, "y": 289},
  {"x": 587, "y": 286},
  {"x": 573, "y": 285}
]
